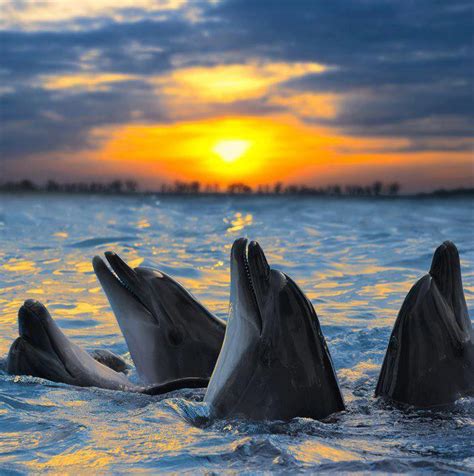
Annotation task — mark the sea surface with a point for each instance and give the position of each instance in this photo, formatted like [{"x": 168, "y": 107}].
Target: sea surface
[{"x": 355, "y": 259}]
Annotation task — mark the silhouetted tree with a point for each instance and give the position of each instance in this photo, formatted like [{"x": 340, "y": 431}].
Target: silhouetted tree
[
  {"x": 194, "y": 187},
  {"x": 394, "y": 188},
  {"x": 52, "y": 186},
  {"x": 27, "y": 185},
  {"x": 277, "y": 188},
  {"x": 239, "y": 188},
  {"x": 115, "y": 186},
  {"x": 377, "y": 188},
  {"x": 131, "y": 186}
]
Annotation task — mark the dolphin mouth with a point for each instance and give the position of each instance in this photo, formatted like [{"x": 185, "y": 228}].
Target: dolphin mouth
[
  {"x": 35, "y": 330},
  {"x": 123, "y": 275},
  {"x": 32, "y": 326},
  {"x": 253, "y": 274},
  {"x": 446, "y": 273},
  {"x": 445, "y": 265},
  {"x": 248, "y": 273}
]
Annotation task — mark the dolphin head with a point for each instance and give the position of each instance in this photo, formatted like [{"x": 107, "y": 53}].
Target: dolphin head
[
  {"x": 138, "y": 290},
  {"x": 430, "y": 355},
  {"x": 263, "y": 297},
  {"x": 446, "y": 273},
  {"x": 274, "y": 363},
  {"x": 40, "y": 350},
  {"x": 170, "y": 335}
]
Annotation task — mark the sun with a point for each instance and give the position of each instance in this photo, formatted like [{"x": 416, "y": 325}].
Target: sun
[{"x": 231, "y": 150}]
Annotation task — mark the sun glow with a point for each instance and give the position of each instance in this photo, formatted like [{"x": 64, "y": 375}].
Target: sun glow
[
  {"x": 280, "y": 148},
  {"x": 231, "y": 150}
]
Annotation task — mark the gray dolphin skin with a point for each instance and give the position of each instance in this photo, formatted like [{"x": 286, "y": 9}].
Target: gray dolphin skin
[
  {"x": 42, "y": 350},
  {"x": 430, "y": 357},
  {"x": 274, "y": 363},
  {"x": 169, "y": 334},
  {"x": 110, "y": 359}
]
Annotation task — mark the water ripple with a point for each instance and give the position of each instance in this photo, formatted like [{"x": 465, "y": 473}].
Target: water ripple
[{"x": 356, "y": 260}]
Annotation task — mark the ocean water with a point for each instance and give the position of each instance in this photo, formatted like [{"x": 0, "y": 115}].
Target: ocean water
[{"x": 355, "y": 259}]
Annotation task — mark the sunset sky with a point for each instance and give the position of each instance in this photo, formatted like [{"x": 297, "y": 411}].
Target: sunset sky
[{"x": 313, "y": 92}]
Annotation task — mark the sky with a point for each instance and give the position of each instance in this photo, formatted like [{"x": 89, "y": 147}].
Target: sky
[{"x": 304, "y": 92}]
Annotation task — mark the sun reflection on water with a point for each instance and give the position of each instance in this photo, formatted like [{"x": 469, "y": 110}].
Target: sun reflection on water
[
  {"x": 76, "y": 461},
  {"x": 238, "y": 222},
  {"x": 316, "y": 452},
  {"x": 19, "y": 265},
  {"x": 356, "y": 279}
]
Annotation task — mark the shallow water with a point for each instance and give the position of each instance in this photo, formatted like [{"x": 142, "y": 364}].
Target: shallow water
[{"x": 355, "y": 260}]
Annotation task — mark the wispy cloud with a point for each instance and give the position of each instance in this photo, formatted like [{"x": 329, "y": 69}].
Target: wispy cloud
[{"x": 54, "y": 14}]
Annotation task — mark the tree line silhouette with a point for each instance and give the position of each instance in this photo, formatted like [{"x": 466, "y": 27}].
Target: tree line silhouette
[
  {"x": 113, "y": 187},
  {"x": 376, "y": 189},
  {"x": 119, "y": 187}
]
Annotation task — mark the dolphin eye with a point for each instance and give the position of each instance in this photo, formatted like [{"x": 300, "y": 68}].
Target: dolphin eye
[{"x": 175, "y": 336}]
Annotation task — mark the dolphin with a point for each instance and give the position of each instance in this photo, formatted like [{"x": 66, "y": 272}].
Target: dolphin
[
  {"x": 274, "y": 363},
  {"x": 108, "y": 358},
  {"x": 42, "y": 350},
  {"x": 430, "y": 356},
  {"x": 170, "y": 335}
]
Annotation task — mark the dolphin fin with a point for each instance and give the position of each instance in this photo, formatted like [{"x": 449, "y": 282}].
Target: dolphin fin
[
  {"x": 177, "y": 384},
  {"x": 109, "y": 359}
]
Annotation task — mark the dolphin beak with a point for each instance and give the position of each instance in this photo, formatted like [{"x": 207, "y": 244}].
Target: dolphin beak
[
  {"x": 445, "y": 265},
  {"x": 130, "y": 279},
  {"x": 446, "y": 270},
  {"x": 122, "y": 282},
  {"x": 446, "y": 273},
  {"x": 106, "y": 278},
  {"x": 38, "y": 328},
  {"x": 124, "y": 275},
  {"x": 259, "y": 272},
  {"x": 122, "y": 269},
  {"x": 258, "y": 262},
  {"x": 31, "y": 321},
  {"x": 242, "y": 281}
]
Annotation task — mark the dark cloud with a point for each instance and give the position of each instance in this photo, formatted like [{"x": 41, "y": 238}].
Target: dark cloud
[
  {"x": 405, "y": 67},
  {"x": 414, "y": 111},
  {"x": 37, "y": 121}
]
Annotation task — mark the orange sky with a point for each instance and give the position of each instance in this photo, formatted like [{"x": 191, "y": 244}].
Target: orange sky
[
  {"x": 223, "y": 117},
  {"x": 279, "y": 148},
  {"x": 275, "y": 148}
]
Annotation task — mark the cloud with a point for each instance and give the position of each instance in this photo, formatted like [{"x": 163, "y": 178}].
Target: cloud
[
  {"x": 308, "y": 105},
  {"x": 390, "y": 70},
  {"x": 84, "y": 81},
  {"x": 232, "y": 82},
  {"x": 38, "y": 121},
  {"x": 37, "y": 14}
]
